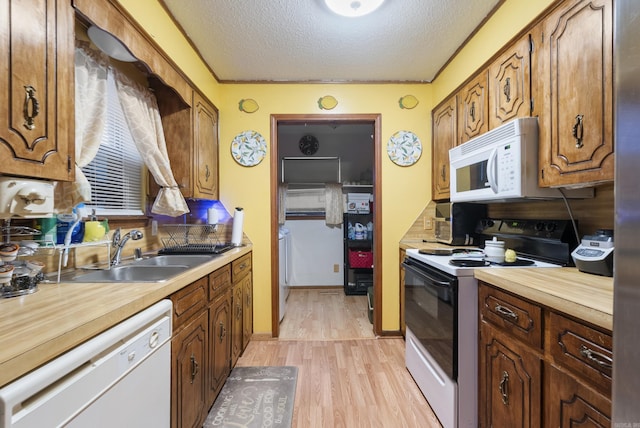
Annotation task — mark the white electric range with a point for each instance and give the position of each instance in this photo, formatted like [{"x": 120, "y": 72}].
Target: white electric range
[{"x": 441, "y": 311}]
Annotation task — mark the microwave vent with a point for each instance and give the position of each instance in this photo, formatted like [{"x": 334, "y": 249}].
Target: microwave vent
[{"x": 501, "y": 133}]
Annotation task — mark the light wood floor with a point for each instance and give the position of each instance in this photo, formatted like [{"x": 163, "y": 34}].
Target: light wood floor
[
  {"x": 325, "y": 314},
  {"x": 346, "y": 377}
]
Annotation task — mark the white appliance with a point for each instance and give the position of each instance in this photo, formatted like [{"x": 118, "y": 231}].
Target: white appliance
[
  {"x": 120, "y": 378},
  {"x": 26, "y": 198},
  {"x": 284, "y": 268},
  {"x": 441, "y": 310},
  {"x": 502, "y": 165}
]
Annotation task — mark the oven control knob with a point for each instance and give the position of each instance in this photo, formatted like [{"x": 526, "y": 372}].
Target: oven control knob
[
  {"x": 539, "y": 226},
  {"x": 550, "y": 227}
]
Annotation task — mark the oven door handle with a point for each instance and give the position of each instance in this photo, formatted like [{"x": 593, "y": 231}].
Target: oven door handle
[{"x": 424, "y": 275}]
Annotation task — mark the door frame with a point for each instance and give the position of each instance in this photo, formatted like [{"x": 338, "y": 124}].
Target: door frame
[{"x": 375, "y": 120}]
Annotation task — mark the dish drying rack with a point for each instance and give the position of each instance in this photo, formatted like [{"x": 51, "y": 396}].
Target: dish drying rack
[{"x": 192, "y": 239}]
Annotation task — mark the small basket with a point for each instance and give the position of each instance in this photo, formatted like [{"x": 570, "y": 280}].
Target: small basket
[{"x": 360, "y": 259}]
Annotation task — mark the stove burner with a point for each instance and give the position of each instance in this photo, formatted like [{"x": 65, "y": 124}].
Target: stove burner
[{"x": 468, "y": 263}]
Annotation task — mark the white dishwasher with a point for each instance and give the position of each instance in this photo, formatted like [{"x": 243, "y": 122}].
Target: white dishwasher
[{"x": 120, "y": 378}]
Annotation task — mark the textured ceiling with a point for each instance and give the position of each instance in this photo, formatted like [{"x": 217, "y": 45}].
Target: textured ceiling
[{"x": 300, "y": 40}]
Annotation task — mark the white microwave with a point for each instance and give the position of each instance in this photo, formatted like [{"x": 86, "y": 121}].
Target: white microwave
[{"x": 501, "y": 165}]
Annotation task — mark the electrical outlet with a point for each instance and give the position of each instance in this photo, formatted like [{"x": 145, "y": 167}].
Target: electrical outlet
[
  {"x": 428, "y": 223},
  {"x": 336, "y": 267}
]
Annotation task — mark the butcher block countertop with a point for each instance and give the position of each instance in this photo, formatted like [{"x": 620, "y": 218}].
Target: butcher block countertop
[
  {"x": 36, "y": 328},
  {"x": 582, "y": 295},
  {"x": 565, "y": 289}
]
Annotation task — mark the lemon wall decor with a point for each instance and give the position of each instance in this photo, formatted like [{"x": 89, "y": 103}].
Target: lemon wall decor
[
  {"x": 408, "y": 102},
  {"x": 404, "y": 148},
  {"x": 327, "y": 102},
  {"x": 248, "y": 105}
]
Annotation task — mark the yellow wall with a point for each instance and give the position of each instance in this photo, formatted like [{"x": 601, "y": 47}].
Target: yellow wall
[{"x": 405, "y": 190}]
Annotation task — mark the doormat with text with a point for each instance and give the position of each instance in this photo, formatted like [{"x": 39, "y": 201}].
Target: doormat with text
[{"x": 255, "y": 397}]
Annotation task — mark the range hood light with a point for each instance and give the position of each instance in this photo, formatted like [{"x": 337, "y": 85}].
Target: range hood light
[
  {"x": 110, "y": 45},
  {"x": 353, "y": 8}
]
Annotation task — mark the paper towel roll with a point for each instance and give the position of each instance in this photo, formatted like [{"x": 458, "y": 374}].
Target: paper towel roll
[{"x": 236, "y": 233}]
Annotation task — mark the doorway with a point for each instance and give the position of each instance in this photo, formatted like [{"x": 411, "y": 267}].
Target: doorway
[{"x": 334, "y": 121}]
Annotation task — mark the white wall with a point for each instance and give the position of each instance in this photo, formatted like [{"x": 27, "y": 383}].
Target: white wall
[{"x": 316, "y": 248}]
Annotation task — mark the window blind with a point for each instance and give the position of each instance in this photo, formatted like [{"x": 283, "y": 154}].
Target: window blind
[{"x": 116, "y": 174}]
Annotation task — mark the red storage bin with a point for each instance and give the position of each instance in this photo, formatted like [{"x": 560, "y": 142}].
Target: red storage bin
[{"x": 360, "y": 259}]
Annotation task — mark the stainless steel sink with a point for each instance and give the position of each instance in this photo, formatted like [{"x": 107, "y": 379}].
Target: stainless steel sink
[
  {"x": 133, "y": 273},
  {"x": 173, "y": 260}
]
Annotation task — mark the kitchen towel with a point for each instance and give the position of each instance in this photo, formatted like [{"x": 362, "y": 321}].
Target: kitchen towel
[
  {"x": 236, "y": 233},
  {"x": 333, "y": 204}
]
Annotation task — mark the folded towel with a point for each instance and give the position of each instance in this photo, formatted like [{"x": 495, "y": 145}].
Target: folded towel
[
  {"x": 282, "y": 203},
  {"x": 333, "y": 204}
]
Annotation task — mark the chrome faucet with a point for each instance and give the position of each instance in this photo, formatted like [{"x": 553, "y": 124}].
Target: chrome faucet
[{"x": 119, "y": 243}]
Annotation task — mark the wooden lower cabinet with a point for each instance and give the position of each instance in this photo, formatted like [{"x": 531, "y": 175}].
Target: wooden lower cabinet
[
  {"x": 510, "y": 379},
  {"x": 219, "y": 343},
  {"x": 247, "y": 310},
  {"x": 236, "y": 322},
  {"x": 207, "y": 340},
  {"x": 571, "y": 403},
  {"x": 562, "y": 381},
  {"x": 188, "y": 381}
]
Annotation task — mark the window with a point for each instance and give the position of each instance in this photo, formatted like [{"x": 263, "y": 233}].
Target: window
[{"x": 117, "y": 173}]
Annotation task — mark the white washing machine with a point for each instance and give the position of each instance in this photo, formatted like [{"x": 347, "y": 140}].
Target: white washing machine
[{"x": 284, "y": 268}]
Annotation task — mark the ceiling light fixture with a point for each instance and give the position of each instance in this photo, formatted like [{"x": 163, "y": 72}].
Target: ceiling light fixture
[{"x": 353, "y": 8}]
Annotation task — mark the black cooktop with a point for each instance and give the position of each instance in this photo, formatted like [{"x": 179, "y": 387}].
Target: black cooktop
[{"x": 551, "y": 241}]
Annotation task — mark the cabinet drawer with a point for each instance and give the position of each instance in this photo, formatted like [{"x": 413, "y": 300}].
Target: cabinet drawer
[
  {"x": 518, "y": 317},
  {"x": 189, "y": 301},
  {"x": 583, "y": 350},
  {"x": 241, "y": 267},
  {"x": 219, "y": 280}
]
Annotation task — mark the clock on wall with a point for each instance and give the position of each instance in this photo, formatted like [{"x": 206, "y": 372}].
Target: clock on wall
[{"x": 308, "y": 145}]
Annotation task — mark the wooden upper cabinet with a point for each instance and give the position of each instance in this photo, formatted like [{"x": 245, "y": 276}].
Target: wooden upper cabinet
[
  {"x": 574, "y": 93},
  {"x": 37, "y": 89},
  {"x": 473, "y": 106},
  {"x": 205, "y": 135},
  {"x": 510, "y": 84},
  {"x": 191, "y": 133},
  {"x": 444, "y": 121}
]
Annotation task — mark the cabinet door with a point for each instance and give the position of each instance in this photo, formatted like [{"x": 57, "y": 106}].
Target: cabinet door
[
  {"x": 176, "y": 124},
  {"x": 574, "y": 101},
  {"x": 569, "y": 403},
  {"x": 188, "y": 390},
  {"x": 205, "y": 134},
  {"x": 510, "y": 84},
  {"x": 510, "y": 382},
  {"x": 236, "y": 322},
  {"x": 473, "y": 104},
  {"x": 444, "y": 124},
  {"x": 37, "y": 89},
  {"x": 247, "y": 310},
  {"x": 219, "y": 344}
]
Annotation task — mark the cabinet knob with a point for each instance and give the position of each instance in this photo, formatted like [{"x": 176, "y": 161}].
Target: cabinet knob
[
  {"x": 578, "y": 130},
  {"x": 195, "y": 367},
  {"x": 503, "y": 388},
  {"x": 30, "y": 100},
  {"x": 596, "y": 357},
  {"x": 507, "y": 89}
]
